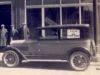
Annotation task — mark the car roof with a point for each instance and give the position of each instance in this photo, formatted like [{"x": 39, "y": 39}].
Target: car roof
[{"x": 65, "y": 26}]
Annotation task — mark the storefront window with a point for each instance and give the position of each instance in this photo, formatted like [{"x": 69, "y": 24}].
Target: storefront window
[
  {"x": 69, "y": 1},
  {"x": 52, "y": 17},
  {"x": 72, "y": 12},
  {"x": 34, "y": 2},
  {"x": 70, "y": 15},
  {"x": 51, "y": 1},
  {"x": 33, "y": 22},
  {"x": 87, "y": 15}
]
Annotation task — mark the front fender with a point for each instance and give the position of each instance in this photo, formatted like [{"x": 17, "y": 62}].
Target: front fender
[{"x": 13, "y": 49}]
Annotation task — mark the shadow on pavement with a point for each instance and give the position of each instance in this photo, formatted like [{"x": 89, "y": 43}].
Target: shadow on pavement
[
  {"x": 46, "y": 65},
  {"x": 43, "y": 65}
]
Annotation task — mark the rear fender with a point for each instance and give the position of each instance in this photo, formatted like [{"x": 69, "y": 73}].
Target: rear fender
[{"x": 78, "y": 49}]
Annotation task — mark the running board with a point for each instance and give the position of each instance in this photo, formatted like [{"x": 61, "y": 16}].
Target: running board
[{"x": 44, "y": 60}]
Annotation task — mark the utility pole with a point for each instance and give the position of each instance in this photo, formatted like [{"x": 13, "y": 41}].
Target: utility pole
[{"x": 95, "y": 21}]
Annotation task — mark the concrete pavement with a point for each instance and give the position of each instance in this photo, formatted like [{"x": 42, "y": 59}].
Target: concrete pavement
[{"x": 47, "y": 69}]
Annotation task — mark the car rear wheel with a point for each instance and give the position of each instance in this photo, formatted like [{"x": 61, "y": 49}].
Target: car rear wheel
[
  {"x": 11, "y": 58},
  {"x": 79, "y": 61}
]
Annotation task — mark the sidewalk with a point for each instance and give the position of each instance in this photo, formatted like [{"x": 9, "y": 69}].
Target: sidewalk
[
  {"x": 1, "y": 56},
  {"x": 95, "y": 64}
]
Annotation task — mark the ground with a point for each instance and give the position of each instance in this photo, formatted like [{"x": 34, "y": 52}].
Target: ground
[{"x": 44, "y": 68}]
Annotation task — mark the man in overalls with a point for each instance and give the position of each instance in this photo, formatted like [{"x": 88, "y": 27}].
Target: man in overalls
[{"x": 3, "y": 35}]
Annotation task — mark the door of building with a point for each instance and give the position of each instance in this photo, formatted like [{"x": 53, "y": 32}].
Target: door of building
[{"x": 5, "y": 18}]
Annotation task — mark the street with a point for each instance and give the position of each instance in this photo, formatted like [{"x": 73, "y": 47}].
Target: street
[{"x": 44, "y": 68}]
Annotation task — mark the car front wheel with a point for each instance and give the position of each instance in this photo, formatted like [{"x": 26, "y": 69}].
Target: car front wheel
[
  {"x": 11, "y": 58},
  {"x": 79, "y": 61}
]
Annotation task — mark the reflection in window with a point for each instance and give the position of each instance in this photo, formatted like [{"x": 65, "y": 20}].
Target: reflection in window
[
  {"x": 33, "y": 2},
  {"x": 52, "y": 17},
  {"x": 87, "y": 15},
  {"x": 70, "y": 15},
  {"x": 51, "y": 1},
  {"x": 70, "y": 1}
]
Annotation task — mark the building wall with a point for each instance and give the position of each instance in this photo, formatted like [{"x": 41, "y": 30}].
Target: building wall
[{"x": 18, "y": 8}]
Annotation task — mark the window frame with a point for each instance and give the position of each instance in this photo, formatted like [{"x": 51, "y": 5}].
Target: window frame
[{"x": 43, "y": 6}]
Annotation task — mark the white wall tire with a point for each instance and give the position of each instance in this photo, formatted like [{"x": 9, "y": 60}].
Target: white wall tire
[
  {"x": 11, "y": 59},
  {"x": 79, "y": 61}
]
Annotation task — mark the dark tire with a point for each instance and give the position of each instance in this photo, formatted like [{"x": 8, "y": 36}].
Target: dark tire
[
  {"x": 11, "y": 58},
  {"x": 79, "y": 61}
]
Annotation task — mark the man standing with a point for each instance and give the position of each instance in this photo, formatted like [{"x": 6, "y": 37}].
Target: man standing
[
  {"x": 26, "y": 32},
  {"x": 3, "y": 35}
]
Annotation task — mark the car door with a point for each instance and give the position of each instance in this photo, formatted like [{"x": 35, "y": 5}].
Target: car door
[
  {"x": 33, "y": 48},
  {"x": 33, "y": 21},
  {"x": 50, "y": 49}
]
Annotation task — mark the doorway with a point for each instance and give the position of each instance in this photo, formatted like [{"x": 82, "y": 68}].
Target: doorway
[{"x": 5, "y": 18}]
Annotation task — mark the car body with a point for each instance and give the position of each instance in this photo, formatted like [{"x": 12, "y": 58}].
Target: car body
[{"x": 53, "y": 49}]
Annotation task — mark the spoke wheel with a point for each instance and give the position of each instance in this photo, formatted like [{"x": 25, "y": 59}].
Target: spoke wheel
[
  {"x": 79, "y": 61},
  {"x": 10, "y": 58}
]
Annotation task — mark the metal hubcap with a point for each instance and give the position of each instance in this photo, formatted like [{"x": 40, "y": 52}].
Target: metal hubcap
[
  {"x": 80, "y": 61},
  {"x": 10, "y": 59}
]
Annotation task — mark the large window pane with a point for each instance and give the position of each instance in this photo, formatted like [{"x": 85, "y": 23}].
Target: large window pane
[
  {"x": 51, "y": 2},
  {"x": 70, "y": 1},
  {"x": 70, "y": 15},
  {"x": 87, "y": 15},
  {"x": 33, "y": 2},
  {"x": 52, "y": 17},
  {"x": 34, "y": 21}
]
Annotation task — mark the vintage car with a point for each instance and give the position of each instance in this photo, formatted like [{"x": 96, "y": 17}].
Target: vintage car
[{"x": 67, "y": 43}]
